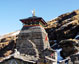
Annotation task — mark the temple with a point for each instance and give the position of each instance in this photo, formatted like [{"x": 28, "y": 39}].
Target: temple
[
  {"x": 32, "y": 45},
  {"x": 33, "y": 33}
]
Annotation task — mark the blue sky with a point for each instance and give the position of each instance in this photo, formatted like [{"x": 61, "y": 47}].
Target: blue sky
[{"x": 13, "y": 10}]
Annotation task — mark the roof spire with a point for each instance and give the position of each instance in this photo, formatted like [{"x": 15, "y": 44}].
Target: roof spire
[{"x": 33, "y": 12}]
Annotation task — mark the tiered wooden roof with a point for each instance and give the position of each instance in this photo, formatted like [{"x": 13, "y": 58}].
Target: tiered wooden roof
[{"x": 34, "y": 18}]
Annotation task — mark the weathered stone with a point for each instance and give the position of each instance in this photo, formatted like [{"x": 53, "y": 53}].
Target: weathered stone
[
  {"x": 69, "y": 47},
  {"x": 30, "y": 40}
]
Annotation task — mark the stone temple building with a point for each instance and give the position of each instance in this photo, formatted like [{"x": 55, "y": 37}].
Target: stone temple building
[{"x": 32, "y": 44}]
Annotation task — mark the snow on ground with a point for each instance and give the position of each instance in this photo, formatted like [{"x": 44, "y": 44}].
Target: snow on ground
[
  {"x": 16, "y": 33},
  {"x": 10, "y": 34},
  {"x": 58, "y": 55}
]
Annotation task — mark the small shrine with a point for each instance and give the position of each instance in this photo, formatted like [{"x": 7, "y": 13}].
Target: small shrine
[{"x": 32, "y": 35}]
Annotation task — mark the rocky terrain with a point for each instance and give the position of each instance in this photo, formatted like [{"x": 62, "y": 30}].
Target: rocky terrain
[
  {"x": 64, "y": 27},
  {"x": 7, "y": 43}
]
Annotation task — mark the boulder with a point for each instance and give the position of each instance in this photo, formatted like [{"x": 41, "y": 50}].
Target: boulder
[{"x": 69, "y": 47}]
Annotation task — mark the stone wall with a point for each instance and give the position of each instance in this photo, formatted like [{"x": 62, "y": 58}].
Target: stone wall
[{"x": 31, "y": 40}]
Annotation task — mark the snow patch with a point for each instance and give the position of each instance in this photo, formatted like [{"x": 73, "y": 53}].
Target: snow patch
[{"x": 16, "y": 33}]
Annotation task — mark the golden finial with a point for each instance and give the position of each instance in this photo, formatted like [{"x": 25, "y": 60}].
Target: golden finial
[{"x": 33, "y": 12}]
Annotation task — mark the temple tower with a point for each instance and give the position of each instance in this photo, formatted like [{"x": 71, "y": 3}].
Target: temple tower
[
  {"x": 32, "y": 45},
  {"x": 32, "y": 38}
]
